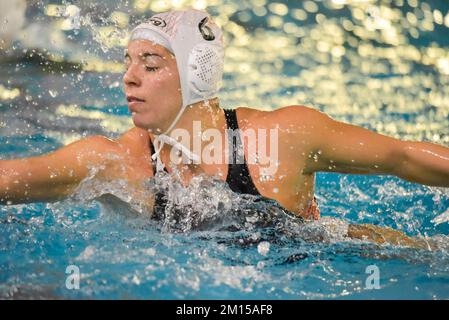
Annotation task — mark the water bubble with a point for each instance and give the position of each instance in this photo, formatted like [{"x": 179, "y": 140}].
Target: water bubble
[
  {"x": 263, "y": 248},
  {"x": 115, "y": 84},
  {"x": 150, "y": 252},
  {"x": 88, "y": 253},
  {"x": 136, "y": 280},
  {"x": 53, "y": 93}
]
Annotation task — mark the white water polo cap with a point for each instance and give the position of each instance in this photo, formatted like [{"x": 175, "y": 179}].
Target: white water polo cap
[{"x": 197, "y": 43}]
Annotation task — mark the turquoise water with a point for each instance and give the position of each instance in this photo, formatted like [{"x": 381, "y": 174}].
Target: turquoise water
[{"x": 398, "y": 85}]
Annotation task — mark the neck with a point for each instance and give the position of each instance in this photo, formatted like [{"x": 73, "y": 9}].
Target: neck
[{"x": 206, "y": 114}]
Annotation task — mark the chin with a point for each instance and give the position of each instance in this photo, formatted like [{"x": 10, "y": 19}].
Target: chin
[
  {"x": 147, "y": 124},
  {"x": 137, "y": 120}
]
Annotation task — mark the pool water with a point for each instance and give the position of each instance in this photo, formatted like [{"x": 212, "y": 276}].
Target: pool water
[{"x": 381, "y": 66}]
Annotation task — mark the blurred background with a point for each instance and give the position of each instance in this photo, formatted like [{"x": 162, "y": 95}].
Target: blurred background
[{"x": 383, "y": 65}]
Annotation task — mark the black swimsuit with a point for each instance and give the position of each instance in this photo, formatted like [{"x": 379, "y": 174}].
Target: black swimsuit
[{"x": 238, "y": 178}]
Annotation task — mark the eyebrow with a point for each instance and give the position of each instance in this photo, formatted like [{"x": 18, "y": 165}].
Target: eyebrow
[{"x": 145, "y": 55}]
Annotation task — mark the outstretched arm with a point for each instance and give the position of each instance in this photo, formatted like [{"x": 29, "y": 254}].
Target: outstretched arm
[
  {"x": 52, "y": 176},
  {"x": 425, "y": 163},
  {"x": 346, "y": 148}
]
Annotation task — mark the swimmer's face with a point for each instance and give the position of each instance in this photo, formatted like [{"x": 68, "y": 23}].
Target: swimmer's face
[{"x": 152, "y": 77}]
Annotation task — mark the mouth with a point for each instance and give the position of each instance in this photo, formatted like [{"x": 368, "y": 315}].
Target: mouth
[
  {"x": 133, "y": 103},
  {"x": 134, "y": 99}
]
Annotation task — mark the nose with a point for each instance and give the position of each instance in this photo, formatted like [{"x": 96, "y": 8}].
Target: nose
[{"x": 131, "y": 76}]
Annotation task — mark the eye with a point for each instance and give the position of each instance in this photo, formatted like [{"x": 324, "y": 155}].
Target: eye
[{"x": 151, "y": 69}]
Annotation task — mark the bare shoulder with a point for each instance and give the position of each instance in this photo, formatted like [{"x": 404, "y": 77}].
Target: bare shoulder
[
  {"x": 284, "y": 118},
  {"x": 135, "y": 141},
  {"x": 93, "y": 144},
  {"x": 134, "y": 134},
  {"x": 298, "y": 114}
]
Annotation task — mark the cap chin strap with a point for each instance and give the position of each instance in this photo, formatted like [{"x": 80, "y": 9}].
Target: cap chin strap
[{"x": 163, "y": 138}]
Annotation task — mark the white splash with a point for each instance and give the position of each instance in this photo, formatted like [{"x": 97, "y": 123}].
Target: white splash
[{"x": 444, "y": 217}]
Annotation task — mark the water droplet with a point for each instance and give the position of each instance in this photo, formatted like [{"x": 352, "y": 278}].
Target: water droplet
[
  {"x": 263, "y": 248},
  {"x": 136, "y": 280},
  {"x": 115, "y": 84}
]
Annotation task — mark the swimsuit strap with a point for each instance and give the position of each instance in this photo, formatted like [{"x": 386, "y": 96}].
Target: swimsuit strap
[{"x": 238, "y": 178}]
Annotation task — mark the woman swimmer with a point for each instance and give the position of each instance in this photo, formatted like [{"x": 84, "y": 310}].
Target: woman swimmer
[{"x": 174, "y": 66}]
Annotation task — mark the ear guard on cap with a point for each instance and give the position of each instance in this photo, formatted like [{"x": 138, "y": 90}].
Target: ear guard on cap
[{"x": 205, "y": 69}]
